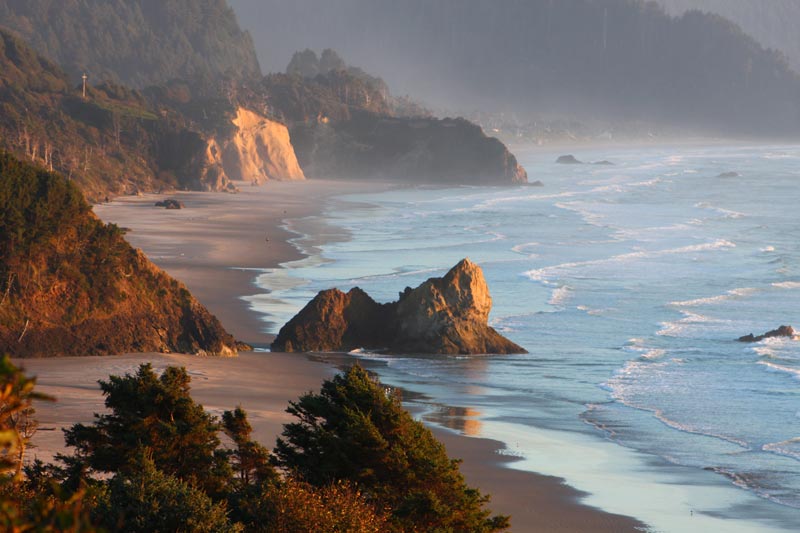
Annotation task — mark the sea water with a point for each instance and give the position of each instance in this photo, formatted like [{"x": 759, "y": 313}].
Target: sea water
[{"x": 629, "y": 285}]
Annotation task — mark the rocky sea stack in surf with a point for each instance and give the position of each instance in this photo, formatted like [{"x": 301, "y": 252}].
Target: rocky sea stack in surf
[
  {"x": 447, "y": 315},
  {"x": 783, "y": 331}
]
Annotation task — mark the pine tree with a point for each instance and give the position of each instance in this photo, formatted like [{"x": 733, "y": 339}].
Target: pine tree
[
  {"x": 155, "y": 416},
  {"x": 354, "y": 430}
]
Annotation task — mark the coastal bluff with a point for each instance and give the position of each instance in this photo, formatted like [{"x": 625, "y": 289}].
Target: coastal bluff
[
  {"x": 71, "y": 285},
  {"x": 447, "y": 315}
]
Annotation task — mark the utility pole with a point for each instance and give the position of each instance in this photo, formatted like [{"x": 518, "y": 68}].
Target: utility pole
[{"x": 84, "y": 77}]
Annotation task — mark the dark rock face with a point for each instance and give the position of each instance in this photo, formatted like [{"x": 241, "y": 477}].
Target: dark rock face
[
  {"x": 170, "y": 203},
  {"x": 447, "y": 315},
  {"x": 568, "y": 160},
  {"x": 783, "y": 331},
  {"x": 410, "y": 149}
]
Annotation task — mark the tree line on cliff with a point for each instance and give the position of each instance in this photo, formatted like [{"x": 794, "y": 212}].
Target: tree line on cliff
[{"x": 352, "y": 461}]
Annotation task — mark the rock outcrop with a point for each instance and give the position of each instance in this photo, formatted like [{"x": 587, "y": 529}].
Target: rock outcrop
[
  {"x": 568, "y": 160},
  {"x": 260, "y": 150},
  {"x": 170, "y": 203},
  {"x": 425, "y": 150},
  {"x": 783, "y": 331},
  {"x": 345, "y": 125},
  {"x": 447, "y": 315}
]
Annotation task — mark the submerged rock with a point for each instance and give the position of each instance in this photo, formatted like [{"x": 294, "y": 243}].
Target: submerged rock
[
  {"x": 604, "y": 163},
  {"x": 568, "y": 160},
  {"x": 783, "y": 331},
  {"x": 447, "y": 315},
  {"x": 729, "y": 175}
]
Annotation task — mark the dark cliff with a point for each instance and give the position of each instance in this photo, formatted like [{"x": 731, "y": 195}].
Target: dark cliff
[
  {"x": 345, "y": 124},
  {"x": 447, "y": 315}
]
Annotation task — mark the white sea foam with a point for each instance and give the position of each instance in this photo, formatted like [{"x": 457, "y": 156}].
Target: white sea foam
[
  {"x": 726, "y": 213},
  {"x": 678, "y": 328},
  {"x": 638, "y": 346},
  {"x": 729, "y": 295},
  {"x": 494, "y": 202},
  {"x": 560, "y": 295},
  {"x": 653, "y": 233},
  {"x": 767, "y": 249},
  {"x": 592, "y": 312},
  {"x": 545, "y": 273},
  {"x": 524, "y": 247},
  {"x": 781, "y": 368},
  {"x": 588, "y": 216},
  {"x": 787, "y": 285},
  {"x": 789, "y": 448}
]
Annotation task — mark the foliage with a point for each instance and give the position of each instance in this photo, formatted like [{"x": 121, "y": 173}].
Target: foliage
[
  {"x": 27, "y": 506},
  {"x": 250, "y": 459},
  {"x": 353, "y": 430},
  {"x": 34, "y": 206},
  {"x": 70, "y": 284},
  {"x": 147, "y": 500},
  {"x": 296, "y": 507},
  {"x": 16, "y": 411},
  {"x": 139, "y": 43},
  {"x": 170, "y": 472},
  {"x": 23, "y": 510},
  {"x": 153, "y": 415},
  {"x": 116, "y": 140}
]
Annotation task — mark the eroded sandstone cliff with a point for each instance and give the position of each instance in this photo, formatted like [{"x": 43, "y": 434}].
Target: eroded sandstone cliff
[
  {"x": 260, "y": 150},
  {"x": 447, "y": 315}
]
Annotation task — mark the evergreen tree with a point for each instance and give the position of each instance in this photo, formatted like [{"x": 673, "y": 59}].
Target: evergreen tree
[
  {"x": 354, "y": 430},
  {"x": 147, "y": 500},
  {"x": 155, "y": 416}
]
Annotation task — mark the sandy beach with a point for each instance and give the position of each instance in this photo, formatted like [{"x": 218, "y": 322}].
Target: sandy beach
[{"x": 217, "y": 246}]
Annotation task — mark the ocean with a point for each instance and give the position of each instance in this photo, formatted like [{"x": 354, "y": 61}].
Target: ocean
[{"x": 629, "y": 285}]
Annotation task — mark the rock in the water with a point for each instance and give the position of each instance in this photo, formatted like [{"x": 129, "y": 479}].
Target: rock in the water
[
  {"x": 729, "y": 175},
  {"x": 447, "y": 315},
  {"x": 170, "y": 203},
  {"x": 604, "y": 163},
  {"x": 783, "y": 331},
  {"x": 568, "y": 160}
]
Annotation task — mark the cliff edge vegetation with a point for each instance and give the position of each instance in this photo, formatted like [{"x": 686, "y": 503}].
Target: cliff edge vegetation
[
  {"x": 136, "y": 42},
  {"x": 71, "y": 285}
]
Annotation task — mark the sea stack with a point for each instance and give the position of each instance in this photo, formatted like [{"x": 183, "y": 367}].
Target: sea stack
[
  {"x": 447, "y": 315},
  {"x": 782, "y": 331}
]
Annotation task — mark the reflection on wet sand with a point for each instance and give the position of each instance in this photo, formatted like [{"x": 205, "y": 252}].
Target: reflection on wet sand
[{"x": 463, "y": 419}]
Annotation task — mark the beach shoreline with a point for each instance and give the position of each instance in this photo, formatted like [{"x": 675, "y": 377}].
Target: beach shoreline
[{"x": 218, "y": 246}]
